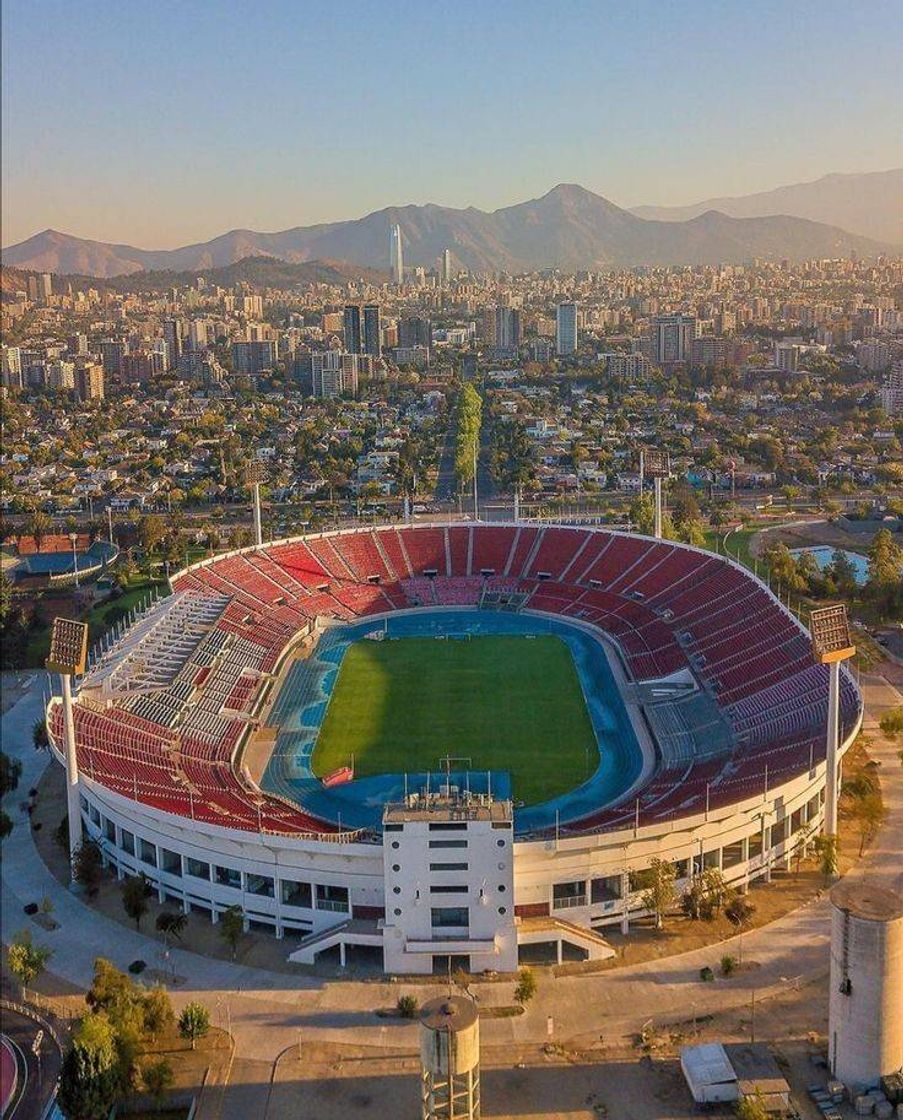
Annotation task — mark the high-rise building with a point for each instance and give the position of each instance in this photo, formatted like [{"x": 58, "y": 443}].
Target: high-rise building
[
  {"x": 787, "y": 356},
  {"x": 251, "y": 358},
  {"x": 445, "y": 270},
  {"x": 40, "y": 288},
  {"x": 60, "y": 375},
  {"x": 89, "y": 381},
  {"x": 198, "y": 334},
  {"x": 372, "y": 331},
  {"x": 892, "y": 390},
  {"x": 566, "y": 329},
  {"x": 671, "y": 337},
  {"x": 112, "y": 354},
  {"x": 396, "y": 254},
  {"x": 351, "y": 322},
  {"x": 11, "y": 366},
  {"x": 172, "y": 336},
  {"x": 415, "y": 331},
  {"x": 507, "y": 329},
  {"x": 334, "y": 373}
]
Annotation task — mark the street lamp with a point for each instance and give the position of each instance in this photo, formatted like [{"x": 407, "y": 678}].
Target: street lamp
[
  {"x": 68, "y": 655},
  {"x": 832, "y": 643},
  {"x": 657, "y": 465}
]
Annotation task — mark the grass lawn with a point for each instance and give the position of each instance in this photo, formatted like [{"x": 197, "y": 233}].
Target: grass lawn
[{"x": 509, "y": 703}]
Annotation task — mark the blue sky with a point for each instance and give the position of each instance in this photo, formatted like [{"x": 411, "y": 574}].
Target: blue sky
[{"x": 159, "y": 123}]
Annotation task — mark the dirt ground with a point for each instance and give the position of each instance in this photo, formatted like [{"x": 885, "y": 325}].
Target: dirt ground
[{"x": 330, "y": 1082}]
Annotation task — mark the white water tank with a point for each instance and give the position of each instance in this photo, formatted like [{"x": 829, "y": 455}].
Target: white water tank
[
  {"x": 865, "y": 1013},
  {"x": 450, "y": 1059}
]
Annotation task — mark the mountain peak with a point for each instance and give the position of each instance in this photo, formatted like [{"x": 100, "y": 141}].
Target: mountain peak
[{"x": 568, "y": 227}]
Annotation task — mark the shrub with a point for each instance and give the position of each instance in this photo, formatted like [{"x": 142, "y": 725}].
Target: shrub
[
  {"x": 706, "y": 974},
  {"x": 137, "y": 967},
  {"x": 407, "y": 1006},
  {"x": 526, "y": 987},
  {"x": 728, "y": 965}
]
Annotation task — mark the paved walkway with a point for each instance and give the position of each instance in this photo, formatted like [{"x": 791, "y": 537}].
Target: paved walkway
[{"x": 270, "y": 1011}]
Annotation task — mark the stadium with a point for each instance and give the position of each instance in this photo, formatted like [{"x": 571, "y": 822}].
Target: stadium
[{"x": 452, "y": 744}]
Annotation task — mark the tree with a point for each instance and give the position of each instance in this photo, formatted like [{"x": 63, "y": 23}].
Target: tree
[
  {"x": 157, "y": 1077},
  {"x": 526, "y": 986},
  {"x": 39, "y": 527},
  {"x": 706, "y": 895},
  {"x": 171, "y": 924},
  {"x": 739, "y": 910},
  {"x": 6, "y": 824},
  {"x": 885, "y": 585},
  {"x": 470, "y": 413},
  {"x": 151, "y": 531},
  {"x": 91, "y": 1079},
  {"x": 87, "y": 864},
  {"x": 39, "y": 735},
  {"x": 10, "y": 772},
  {"x": 827, "y": 850},
  {"x": 843, "y": 573},
  {"x": 869, "y": 812},
  {"x": 660, "y": 893},
  {"x": 26, "y": 960},
  {"x": 135, "y": 893},
  {"x": 194, "y": 1022},
  {"x": 157, "y": 1011},
  {"x": 111, "y": 991},
  {"x": 231, "y": 927}
]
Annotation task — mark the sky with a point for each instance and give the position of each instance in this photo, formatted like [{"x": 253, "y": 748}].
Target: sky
[{"x": 162, "y": 123}]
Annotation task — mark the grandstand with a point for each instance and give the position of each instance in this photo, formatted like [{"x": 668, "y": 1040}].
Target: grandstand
[{"x": 717, "y": 674}]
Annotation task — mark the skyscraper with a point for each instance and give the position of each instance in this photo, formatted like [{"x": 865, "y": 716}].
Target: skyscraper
[
  {"x": 446, "y": 268},
  {"x": 566, "y": 329},
  {"x": 396, "y": 254},
  {"x": 372, "y": 331},
  {"x": 351, "y": 323},
  {"x": 507, "y": 329},
  {"x": 672, "y": 337},
  {"x": 172, "y": 336}
]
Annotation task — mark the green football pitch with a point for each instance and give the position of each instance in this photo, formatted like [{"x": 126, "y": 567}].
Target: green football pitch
[{"x": 507, "y": 703}]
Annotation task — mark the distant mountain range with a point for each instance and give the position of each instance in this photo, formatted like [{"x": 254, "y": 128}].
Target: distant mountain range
[
  {"x": 869, "y": 204},
  {"x": 569, "y": 228}
]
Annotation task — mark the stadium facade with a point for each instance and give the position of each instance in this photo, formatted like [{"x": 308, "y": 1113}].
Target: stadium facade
[{"x": 175, "y": 734}]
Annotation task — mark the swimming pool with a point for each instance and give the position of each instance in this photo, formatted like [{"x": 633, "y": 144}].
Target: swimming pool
[
  {"x": 301, "y": 704},
  {"x": 824, "y": 558}
]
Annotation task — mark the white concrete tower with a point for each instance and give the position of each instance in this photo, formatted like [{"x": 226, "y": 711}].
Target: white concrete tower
[
  {"x": 865, "y": 1012},
  {"x": 450, "y": 1059}
]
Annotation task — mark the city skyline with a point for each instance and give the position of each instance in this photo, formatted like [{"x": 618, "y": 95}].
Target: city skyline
[{"x": 174, "y": 138}]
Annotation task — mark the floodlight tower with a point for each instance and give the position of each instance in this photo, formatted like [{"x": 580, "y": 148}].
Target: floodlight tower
[
  {"x": 73, "y": 538},
  {"x": 256, "y": 474},
  {"x": 68, "y": 655},
  {"x": 832, "y": 643},
  {"x": 657, "y": 465}
]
